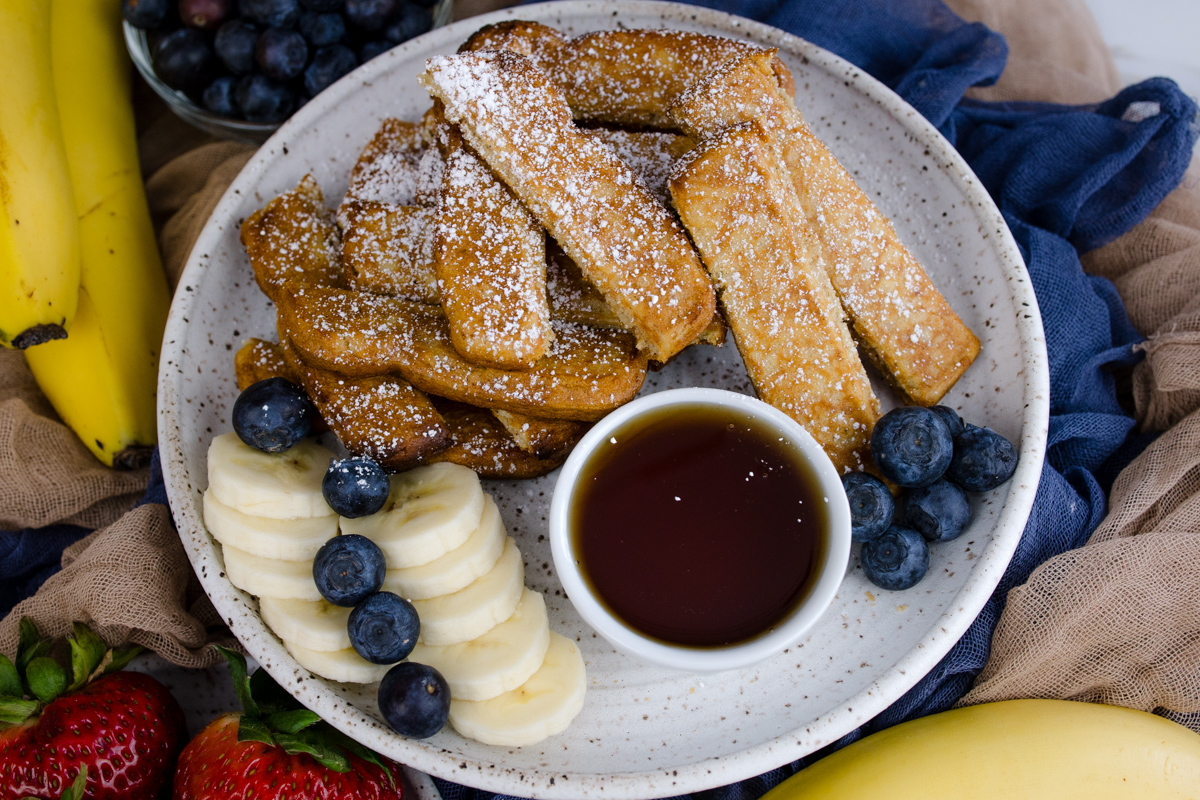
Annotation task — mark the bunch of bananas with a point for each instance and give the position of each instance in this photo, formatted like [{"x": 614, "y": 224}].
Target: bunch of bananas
[{"x": 82, "y": 290}]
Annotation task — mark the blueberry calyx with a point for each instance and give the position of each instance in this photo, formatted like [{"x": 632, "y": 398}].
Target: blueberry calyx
[
  {"x": 895, "y": 560},
  {"x": 912, "y": 446},
  {"x": 384, "y": 628}
]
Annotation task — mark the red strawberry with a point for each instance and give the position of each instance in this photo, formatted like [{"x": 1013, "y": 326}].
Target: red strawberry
[
  {"x": 277, "y": 749},
  {"x": 124, "y": 728}
]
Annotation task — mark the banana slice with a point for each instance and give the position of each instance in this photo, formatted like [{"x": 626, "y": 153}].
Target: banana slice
[
  {"x": 542, "y": 706},
  {"x": 318, "y": 625},
  {"x": 277, "y": 485},
  {"x": 292, "y": 539},
  {"x": 498, "y": 661},
  {"x": 430, "y": 511},
  {"x": 270, "y": 577},
  {"x": 343, "y": 666},
  {"x": 481, "y": 606},
  {"x": 455, "y": 570}
]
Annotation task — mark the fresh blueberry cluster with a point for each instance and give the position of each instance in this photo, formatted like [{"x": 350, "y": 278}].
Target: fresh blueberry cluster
[
  {"x": 260, "y": 60},
  {"x": 383, "y": 627},
  {"x": 938, "y": 458}
]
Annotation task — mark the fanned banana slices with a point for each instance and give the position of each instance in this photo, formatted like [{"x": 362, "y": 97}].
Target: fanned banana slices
[{"x": 513, "y": 681}]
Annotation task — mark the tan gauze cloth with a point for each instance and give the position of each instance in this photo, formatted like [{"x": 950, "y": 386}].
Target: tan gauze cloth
[{"x": 1116, "y": 621}]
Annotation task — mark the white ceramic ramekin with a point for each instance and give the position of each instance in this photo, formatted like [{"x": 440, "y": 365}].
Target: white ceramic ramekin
[{"x": 787, "y": 632}]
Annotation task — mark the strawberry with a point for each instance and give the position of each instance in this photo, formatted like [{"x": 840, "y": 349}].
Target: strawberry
[
  {"x": 277, "y": 749},
  {"x": 123, "y": 728}
]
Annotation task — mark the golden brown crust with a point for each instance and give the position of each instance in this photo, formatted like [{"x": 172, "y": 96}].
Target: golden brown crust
[
  {"x": 258, "y": 360},
  {"x": 650, "y": 154},
  {"x": 903, "y": 322},
  {"x": 388, "y": 169},
  {"x": 490, "y": 262},
  {"x": 293, "y": 238},
  {"x": 478, "y": 441},
  {"x": 736, "y": 198},
  {"x": 625, "y": 242},
  {"x": 388, "y": 249},
  {"x": 520, "y": 36},
  {"x": 586, "y": 372},
  {"x": 542, "y": 437}
]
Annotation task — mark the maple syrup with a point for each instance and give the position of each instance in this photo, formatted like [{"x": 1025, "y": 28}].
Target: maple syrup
[{"x": 699, "y": 525}]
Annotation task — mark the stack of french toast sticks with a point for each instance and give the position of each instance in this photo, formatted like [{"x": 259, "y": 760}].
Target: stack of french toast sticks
[{"x": 566, "y": 215}]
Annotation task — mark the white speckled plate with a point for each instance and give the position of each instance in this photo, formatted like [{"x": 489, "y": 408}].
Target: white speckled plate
[{"x": 643, "y": 731}]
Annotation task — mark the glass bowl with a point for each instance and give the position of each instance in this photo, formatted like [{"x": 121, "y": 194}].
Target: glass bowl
[{"x": 138, "y": 44}]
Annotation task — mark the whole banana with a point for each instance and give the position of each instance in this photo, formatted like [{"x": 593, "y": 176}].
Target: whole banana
[
  {"x": 39, "y": 236},
  {"x": 1015, "y": 750},
  {"x": 102, "y": 380}
]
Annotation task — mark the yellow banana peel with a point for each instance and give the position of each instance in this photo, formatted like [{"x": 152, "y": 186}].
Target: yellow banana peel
[
  {"x": 39, "y": 236},
  {"x": 1014, "y": 750},
  {"x": 102, "y": 379}
]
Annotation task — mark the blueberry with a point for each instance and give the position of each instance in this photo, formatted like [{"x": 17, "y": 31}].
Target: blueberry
[
  {"x": 372, "y": 49},
  {"x": 355, "y": 487},
  {"x": 263, "y": 100},
  {"x": 953, "y": 421},
  {"x": 235, "y": 43},
  {"x": 322, "y": 29},
  {"x": 370, "y": 15},
  {"x": 871, "y": 505},
  {"x": 273, "y": 414},
  {"x": 281, "y": 53},
  {"x": 414, "y": 699},
  {"x": 983, "y": 459},
  {"x": 183, "y": 60},
  {"x": 329, "y": 64},
  {"x": 219, "y": 97},
  {"x": 939, "y": 512},
  {"x": 911, "y": 446},
  {"x": 272, "y": 13},
  {"x": 384, "y": 628},
  {"x": 897, "y": 559},
  {"x": 411, "y": 21},
  {"x": 322, "y": 5},
  {"x": 145, "y": 14},
  {"x": 207, "y": 15},
  {"x": 347, "y": 569}
]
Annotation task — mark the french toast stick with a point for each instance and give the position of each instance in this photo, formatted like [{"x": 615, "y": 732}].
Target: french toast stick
[
  {"x": 902, "y": 321},
  {"x": 383, "y": 417},
  {"x": 649, "y": 154},
  {"x": 478, "y": 441},
  {"x": 585, "y": 373},
  {"x": 489, "y": 256},
  {"x": 257, "y": 360},
  {"x": 520, "y": 36},
  {"x": 541, "y": 437},
  {"x": 736, "y": 198},
  {"x": 629, "y": 246},
  {"x": 388, "y": 249},
  {"x": 388, "y": 169},
  {"x": 293, "y": 238}
]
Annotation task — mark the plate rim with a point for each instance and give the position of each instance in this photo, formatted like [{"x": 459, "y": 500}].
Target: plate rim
[{"x": 943, "y": 632}]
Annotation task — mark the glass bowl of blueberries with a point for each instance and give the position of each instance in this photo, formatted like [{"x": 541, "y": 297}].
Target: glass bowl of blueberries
[{"x": 238, "y": 68}]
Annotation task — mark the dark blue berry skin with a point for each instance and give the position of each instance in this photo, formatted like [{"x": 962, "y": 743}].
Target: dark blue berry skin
[
  {"x": 264, "y": 100},
  {"x": 414, "y": 699},
  {"x": 273, "y": 415},
  {"x": 235, "y": 43},
  {"x": 939, "y": 512},
  {"x": 328, "y": 64},
  {"x": 983, "y": 459},
  {"x": 271, "y": 13},
  {"x": 145, "y": 14},
  {"x": 911, "y": 446},
  {"x": 953, "y": 421},
  {"x": 370, "y": 15},
  {"x": 184, "y": 60},
  {"x": 372, "y": 49},
  {"x": 321, "y": 5},
  {"x": 895, "y": 560},
  {"x": 348, "y": 569},
  {"x": 219, "y": 97},
  {"x": 355, "y": 487},
  {"x": 424, "y": 3},
  {"x": 281, "y": 53},
  {"x": 871, "y": 505},
  {"x": 384, "y": 628},
  {"x": 411, "y": 21},
  {"x": 322, "y": 30},
  {"x": 206, "y": 15}
]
